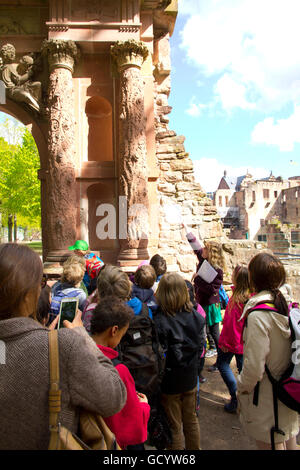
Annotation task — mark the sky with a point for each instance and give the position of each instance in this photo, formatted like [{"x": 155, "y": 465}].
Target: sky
[{"x": 235, "y": 87}]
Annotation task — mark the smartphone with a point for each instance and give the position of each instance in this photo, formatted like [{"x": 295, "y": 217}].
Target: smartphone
[{"x": 68, "y": 309}]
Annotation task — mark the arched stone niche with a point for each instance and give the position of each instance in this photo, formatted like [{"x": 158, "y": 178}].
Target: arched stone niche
[
  {"x": 103, "y": 216},
  {"x": 100, "y": 137}
]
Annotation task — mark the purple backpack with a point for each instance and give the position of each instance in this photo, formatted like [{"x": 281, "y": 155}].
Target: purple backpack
[{"x": 287, "y": 388}]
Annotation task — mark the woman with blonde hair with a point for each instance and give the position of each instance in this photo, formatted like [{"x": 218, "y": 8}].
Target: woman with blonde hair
[
  {"x": 181, "y": 334},
  {"x": 207, "y": 293}
]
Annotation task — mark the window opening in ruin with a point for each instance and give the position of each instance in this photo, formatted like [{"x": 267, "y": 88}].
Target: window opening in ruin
[{"x": 100, "y": 136}]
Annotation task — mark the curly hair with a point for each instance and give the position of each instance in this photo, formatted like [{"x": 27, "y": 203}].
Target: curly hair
[
  {"x": 215, "y": 254},
  {"x": 73, "y": 271},
  {"x": 109, "y": 312},
  {"x": 7, "y": 50}
]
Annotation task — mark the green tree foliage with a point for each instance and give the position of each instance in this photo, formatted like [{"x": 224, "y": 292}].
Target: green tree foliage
[{"x": 19, "y": 185}]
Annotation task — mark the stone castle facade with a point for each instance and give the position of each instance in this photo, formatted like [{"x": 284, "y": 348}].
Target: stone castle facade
[{"x": 91, "y": 81}]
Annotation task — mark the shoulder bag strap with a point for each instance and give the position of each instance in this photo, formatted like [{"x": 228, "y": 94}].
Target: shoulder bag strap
[{"x": 54, "y": 392}]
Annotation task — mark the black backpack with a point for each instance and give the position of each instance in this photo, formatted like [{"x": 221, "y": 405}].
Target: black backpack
[{"x": 142, "y": 353}]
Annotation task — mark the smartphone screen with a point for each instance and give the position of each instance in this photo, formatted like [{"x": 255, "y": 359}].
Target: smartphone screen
[{"x": 68, "y": 309}]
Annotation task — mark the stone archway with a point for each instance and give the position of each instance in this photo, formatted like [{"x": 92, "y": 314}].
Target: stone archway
[{"x": 39, "y": 133}]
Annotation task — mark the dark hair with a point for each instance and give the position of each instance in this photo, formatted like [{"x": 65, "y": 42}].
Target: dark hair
[
  {"x": 145, "y": 276},
  {"x": 43, "y": 308},
  {"x": 21, "y": 271},
  {"x": 159, "y": 264},
  {"x": 266, "y": 272},
  {"x": 191, "y": 291},
  {"x": 109, "y": 312}
]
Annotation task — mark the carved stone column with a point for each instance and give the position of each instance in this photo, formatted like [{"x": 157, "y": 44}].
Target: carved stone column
[
  {"x": 60, "y": 174},
  {"x": 133, "y": 203}
]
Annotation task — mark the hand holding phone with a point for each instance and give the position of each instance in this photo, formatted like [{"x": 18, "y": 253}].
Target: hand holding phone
[
  {"x": 68, "y": 309},
  {"x": 77, "y": 322}
]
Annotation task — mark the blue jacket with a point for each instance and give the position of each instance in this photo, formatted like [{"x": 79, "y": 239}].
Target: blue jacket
[{"x": 136, "y": 305}]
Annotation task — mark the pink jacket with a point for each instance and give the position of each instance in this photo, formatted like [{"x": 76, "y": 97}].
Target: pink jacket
[{"x": 231, "y": 336}]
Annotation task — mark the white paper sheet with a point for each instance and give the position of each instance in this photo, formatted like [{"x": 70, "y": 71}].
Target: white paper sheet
[{"x": 207, "y": 272}]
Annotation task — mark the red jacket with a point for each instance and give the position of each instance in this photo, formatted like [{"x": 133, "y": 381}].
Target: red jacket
[{"x": 130, "y": 424}]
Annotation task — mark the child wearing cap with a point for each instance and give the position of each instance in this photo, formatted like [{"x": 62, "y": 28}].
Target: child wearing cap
[{"x": 92, "y": 261}]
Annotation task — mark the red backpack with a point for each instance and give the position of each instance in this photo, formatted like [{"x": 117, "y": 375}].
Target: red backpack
[{"x": 93, "y": 266}]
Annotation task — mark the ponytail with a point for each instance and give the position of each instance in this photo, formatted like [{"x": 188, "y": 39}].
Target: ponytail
[{"x": 280, "y": 302}]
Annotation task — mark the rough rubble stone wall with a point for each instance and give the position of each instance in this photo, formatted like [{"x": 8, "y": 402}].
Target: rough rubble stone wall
[{"x": 177, "y": 186}]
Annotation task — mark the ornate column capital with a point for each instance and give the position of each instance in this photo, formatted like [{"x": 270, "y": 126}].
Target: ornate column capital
[
  {"x": 61, "y": 53},
  {"x": 129, "y": 53}
]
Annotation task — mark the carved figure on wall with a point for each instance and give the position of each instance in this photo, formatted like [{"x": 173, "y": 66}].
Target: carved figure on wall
[
  {"x": 17, "y": 78},
  {"x": 9, "y": 26},
  {"x": 95, "y": 10}
]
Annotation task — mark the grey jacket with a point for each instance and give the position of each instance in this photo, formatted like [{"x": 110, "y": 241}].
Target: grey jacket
[{"x": 87, "y": 379}]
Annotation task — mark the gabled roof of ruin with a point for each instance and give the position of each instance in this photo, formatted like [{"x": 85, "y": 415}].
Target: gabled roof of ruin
[{"x": 231, "y": 182}]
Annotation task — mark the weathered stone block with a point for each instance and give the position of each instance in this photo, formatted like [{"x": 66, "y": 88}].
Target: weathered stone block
[
  {"x": 173, "y": 176},
  {"x": 187, "y": 186},
  {"x": 170, "y": 148},
  {"x": 166, "y": 156},
  {"x": 182, "y": 155},
  {"x": 164, "y": 134},
  {"x": 166, "y": 188},
  {"x": 187, "y": 262},
  {"x": 174, "y": 139},
  {"x": 164, "y": 166},
  {"x": 181, "y": 165}
]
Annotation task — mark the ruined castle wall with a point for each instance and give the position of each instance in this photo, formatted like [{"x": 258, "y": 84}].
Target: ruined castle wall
[{"x": 176, "y": 185}]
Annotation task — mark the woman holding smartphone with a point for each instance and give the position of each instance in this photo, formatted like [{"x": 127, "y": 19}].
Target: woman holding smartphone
[{"x": 88, "y": 379}]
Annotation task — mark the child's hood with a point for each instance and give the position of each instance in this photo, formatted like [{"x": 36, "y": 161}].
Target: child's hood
[{"x": 143, "y": 294}]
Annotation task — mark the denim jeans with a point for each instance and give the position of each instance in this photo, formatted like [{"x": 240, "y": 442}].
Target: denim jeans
[{"x": 223, "y": 364}]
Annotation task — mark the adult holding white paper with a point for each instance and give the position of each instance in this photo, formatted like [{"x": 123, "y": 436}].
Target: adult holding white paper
[{"x": 207, "y": 282}]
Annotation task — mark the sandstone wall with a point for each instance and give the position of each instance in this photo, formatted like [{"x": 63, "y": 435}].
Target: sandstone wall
[{"x": 176, "y": 184}]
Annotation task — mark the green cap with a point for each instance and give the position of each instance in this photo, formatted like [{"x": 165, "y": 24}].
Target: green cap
[{"x": 79, "y": 245}]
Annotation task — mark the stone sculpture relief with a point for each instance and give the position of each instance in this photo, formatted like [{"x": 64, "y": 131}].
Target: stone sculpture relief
[
  {"x": 95, "y": 10},
  {"x": 17, "y": 78},
  {"x": 10, "y": 26}
]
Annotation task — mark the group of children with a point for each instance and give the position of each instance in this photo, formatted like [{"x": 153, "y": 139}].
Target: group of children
[{"x": 182, "y": 314}]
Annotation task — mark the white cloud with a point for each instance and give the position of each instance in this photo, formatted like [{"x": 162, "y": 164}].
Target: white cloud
[
  {"x": 284, "y": 133},
  {"x": 249, "y": 47},
  {"x": 208, "y": 172},
  {"x": 195, "y": 109},
  {"x": 232, "y": 94}
]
